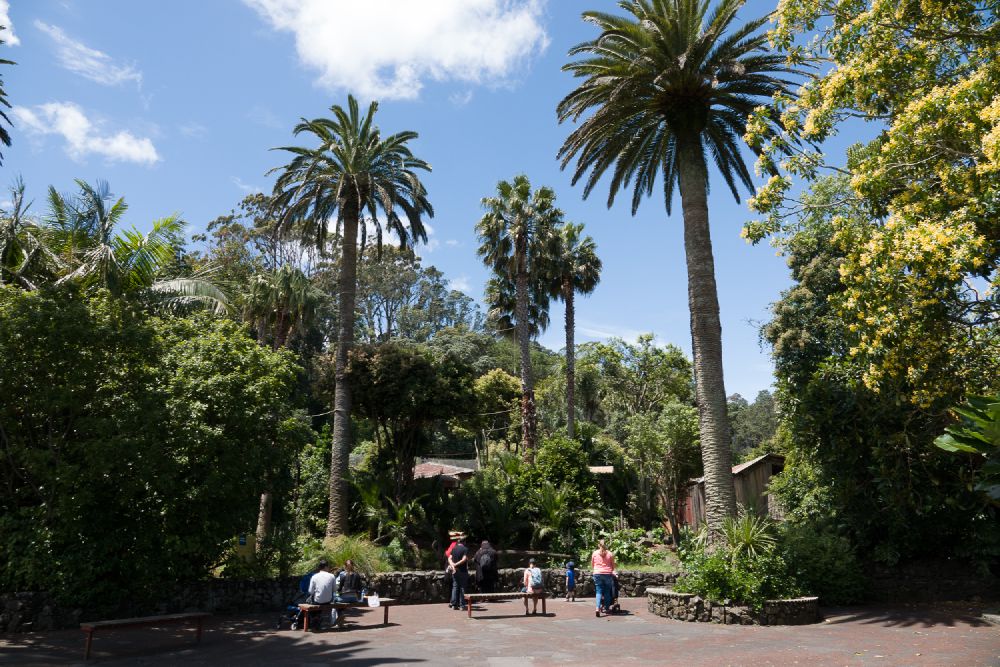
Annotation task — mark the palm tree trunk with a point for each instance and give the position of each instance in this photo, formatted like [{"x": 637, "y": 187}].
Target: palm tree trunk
[
  {"x": 529, "y": 426},
  {"x": 706, "y": 338},
  {"x": 263, "y": 520},
  {"x": 570, "y": 357},
  {"x": 336, "y": 523}
]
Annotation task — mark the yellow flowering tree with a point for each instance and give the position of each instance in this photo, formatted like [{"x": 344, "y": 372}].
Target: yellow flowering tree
[{"x": 921, "y": 278}]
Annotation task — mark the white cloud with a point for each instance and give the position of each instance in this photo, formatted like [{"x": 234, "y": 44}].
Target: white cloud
[
  {"x": 452, "y": 243},
  {"x": 461, "y": 283},
  {"x": 83, "y": 136},
  {"x": 7, "y": 35},
  {"x": 265, "y": 118},
  {"x": 245, "y": 187},
  {"x": 193, "y": 130},
  {"x": 87, "y": 62},
  {"x": 603, "y": 331},
  {"x": 391, "y": 238},
  {"x": 460, "y": 99},
  {"x": 387, "y": 48}
]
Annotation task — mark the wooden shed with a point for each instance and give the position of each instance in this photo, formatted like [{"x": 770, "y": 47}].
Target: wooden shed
[{"x": 750, "y": 479}]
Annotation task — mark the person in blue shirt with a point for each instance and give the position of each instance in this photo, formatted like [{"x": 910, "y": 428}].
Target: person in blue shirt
[{"x": 570, "y": 582}]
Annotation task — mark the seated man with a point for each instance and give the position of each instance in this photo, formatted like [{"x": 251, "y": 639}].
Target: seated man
[
  {"x": 322, "y": 587},
  {"x": 349, "y": 584}
]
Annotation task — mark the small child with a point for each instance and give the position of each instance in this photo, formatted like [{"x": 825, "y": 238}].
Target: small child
[{"x": 570, "y": 582}]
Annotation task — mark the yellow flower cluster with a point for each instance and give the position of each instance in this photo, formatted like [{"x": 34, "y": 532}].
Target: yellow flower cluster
[{"x": 922, "y": 276}]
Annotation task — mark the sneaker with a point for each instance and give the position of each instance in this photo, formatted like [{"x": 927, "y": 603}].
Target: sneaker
[{"x": 597, "y": 613}]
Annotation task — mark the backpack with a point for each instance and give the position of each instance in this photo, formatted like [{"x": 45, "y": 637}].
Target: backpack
[
  {"x": 536, "y": 577},
  {"x": 486, "y": 561}
]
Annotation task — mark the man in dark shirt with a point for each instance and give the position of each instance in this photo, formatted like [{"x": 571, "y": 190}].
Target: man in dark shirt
[{"x": 458, "y": 559}]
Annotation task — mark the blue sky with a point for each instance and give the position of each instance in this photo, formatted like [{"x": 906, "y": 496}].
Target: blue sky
[{"x": 176, "y": 104}]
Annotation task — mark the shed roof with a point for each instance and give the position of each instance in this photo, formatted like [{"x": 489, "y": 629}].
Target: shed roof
[
  {"x": 743, "y": 467},
  {"x": 434, "y": 469}
]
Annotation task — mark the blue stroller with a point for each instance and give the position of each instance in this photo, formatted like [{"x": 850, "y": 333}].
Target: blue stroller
[
  {"x": 292, "y": 614},
  {"x": 614, "y": 607}
]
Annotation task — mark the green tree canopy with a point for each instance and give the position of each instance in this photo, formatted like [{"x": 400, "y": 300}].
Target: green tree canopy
[{"x": 124, "y": 435}]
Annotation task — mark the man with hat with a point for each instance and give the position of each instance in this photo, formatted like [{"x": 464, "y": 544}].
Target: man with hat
[{"x": 458, "y": 563}]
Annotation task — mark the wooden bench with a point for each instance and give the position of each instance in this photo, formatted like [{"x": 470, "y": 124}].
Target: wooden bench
[
  {"x": 470, "y": 597},
  {"x": 90, "y": 628},
  {"x": 308, "y": 609}
]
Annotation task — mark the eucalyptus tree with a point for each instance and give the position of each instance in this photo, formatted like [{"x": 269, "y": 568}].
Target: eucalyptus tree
[
  {"x": 513, "y": 235},
  {"x": 350, "y": 170},
  {"x": 665, "y": 83},
  {"x": 573, "y": 267}
]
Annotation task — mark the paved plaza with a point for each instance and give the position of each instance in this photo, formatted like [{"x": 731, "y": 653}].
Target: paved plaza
[{"x": 499, "y": 634}]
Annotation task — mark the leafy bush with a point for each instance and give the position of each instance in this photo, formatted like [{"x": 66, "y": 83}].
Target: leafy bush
[
  {"x": 748, "y": 568},
  {"x": 824, "y": 562},
  {"x": 627, "y": 544},
  {"x": 368, "y": 557},
  {"x": 746, "y": 579}
]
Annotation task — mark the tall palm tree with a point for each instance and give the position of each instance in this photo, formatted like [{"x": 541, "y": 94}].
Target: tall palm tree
[
  {"x": 512, "y": 235},
  {"x": 279, "y": 303},
  {"x": 4, "y": 134},
  {"x": 664, "y": 84},
  {"x": 574, "y": 267},
  {"x": 351, "y": 170},
  {"x": 501, "y": 301}
]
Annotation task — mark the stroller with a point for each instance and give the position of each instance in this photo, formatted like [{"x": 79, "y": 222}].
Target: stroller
[
  {"x": 614, "y": 607},
  {"x": 292, "y": 614}
]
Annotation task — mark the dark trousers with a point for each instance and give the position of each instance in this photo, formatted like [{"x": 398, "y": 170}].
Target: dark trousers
[{"x": 459, "y": 583}]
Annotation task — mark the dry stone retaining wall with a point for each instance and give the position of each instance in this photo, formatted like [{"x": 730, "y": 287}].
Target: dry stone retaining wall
[
  {"x": 435, "y": 586},
  {"x": 690, "y": 607},
  {"x": 23, "y": 612}
]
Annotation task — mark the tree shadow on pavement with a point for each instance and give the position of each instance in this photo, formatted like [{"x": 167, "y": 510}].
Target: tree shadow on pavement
[
  {"x": 922, "y": 616},
  {"x": 228, "y": 641}
]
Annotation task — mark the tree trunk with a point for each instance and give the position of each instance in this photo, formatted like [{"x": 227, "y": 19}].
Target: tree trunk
[
  {"x": 706, "y": 338},
  {"x": 263, "y": 520},
  {"x": 529, "y": 424},
  {"x": 570, "y": 357},
  {"x": 336, "y": 523}
]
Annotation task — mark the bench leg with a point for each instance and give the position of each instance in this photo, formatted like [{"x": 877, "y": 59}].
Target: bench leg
[
  {"x": 526, "y": 596},
  {"x": 199, "y": 631},
  {"x": 385, "y": 615},
  {"x": 468, "y": 605},
  {"x": 543, "y": 604},
  {"x": 86, "y": 647},
  {"x": 305, "y": 621}
]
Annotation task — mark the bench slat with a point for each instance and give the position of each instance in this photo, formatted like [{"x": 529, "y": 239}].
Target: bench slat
[{"x": 143, "y": 620}]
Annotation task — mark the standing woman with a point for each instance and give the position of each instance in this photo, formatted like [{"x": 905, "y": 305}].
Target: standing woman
[
  {"x": 486, "y": 567},
  {"x": 602, "y": 563}
]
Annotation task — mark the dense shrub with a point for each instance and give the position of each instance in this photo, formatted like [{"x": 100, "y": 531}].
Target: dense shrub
[
  {"x": 747, "y": 568},
  {"x": 135, "y": 447},
  {"x": 368, "y": 557},
  {"x": 824, "y": 562},
  {"x": 744, "y": 579}
]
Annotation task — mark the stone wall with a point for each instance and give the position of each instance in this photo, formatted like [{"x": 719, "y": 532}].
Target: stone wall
[
  {"x": 931, "y": 581},
  {"x": 435, "y": 586},
  {"x": 690, "y": 607},
  {"x": 22, "y": 612}
]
